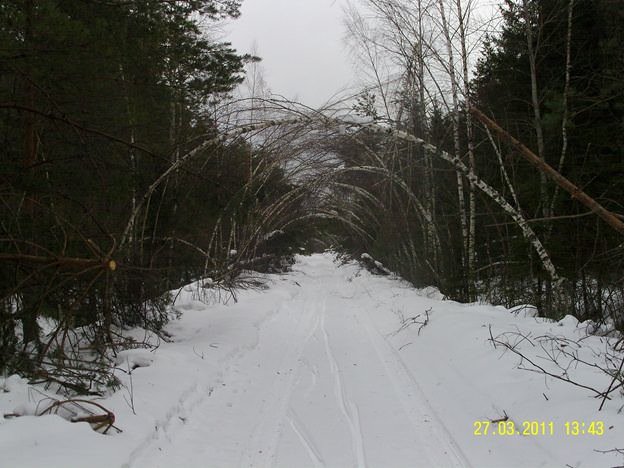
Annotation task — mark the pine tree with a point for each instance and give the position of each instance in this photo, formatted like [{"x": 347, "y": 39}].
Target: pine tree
[{"x": 97, "y": 99}]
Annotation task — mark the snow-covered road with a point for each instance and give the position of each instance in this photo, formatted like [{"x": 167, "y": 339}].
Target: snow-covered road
[
  {"x": 321, "y": 387},
  {"x": 333, "y": 367}
]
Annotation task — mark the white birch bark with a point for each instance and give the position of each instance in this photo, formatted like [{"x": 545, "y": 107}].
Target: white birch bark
[
  {"x": 324, "y": 123},
  {"x": 538, "y": 128},
  {"x": 470, "y": 143},
  {"x": 180, "y": 161},
  {"x": 456, "y": 133},
  {"x": 502, "y": 168},
  {"x": 427, "y": 159},
  {"x": 565, "y": 103},
  {"x": 494, "y": 195}
]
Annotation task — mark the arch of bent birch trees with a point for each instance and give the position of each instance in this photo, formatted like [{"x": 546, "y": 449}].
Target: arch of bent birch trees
[{"x": 316, "y": 120}]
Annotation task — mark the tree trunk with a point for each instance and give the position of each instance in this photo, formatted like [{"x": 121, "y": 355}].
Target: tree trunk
[
  {"x": 538, "y": 128},
  {"x": 471, "y": 151},
  {"x": 494, "y": 195},
  {"x": 457, "y": 150},
  {"x": 30, "y": 328},
  {"x": 547, "y": 170},
  {"x": 565, "y": 104}
]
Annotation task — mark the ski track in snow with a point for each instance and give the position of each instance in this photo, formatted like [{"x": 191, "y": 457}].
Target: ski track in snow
[
  {"x": 349, "y": 409},
  {"x": 168, "y": 429},
  {"x": 416, "y": 404},
  {"x": 263, "y": 442},
  {"x": 316, "y": 372},
  {"x": 304, "y": 343},
  {"x": 306, "y": 440}
]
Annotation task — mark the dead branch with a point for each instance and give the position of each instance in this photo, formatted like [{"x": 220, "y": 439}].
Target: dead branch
[
  {"x": 502, "y": 419},
  {"x": 553, "y": 357},
  {"x": 63, "y": 262},
  {"x": 74, "y": 124},
  {"x": 617, "y": 450},
  {"x": 96, "y": 421},
  {"x": 558, "y": 178},
  {"x": 414, "y": 320},
  {"x": 609, "y": 390}
]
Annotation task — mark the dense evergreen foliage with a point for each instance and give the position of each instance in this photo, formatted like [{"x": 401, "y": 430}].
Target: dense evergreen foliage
[
  {"x": 128, "y": 172},
  {"x": 98, "y": 100},
  {"x": 581, "y": 119},
  {"x": 553, "y": 82}
]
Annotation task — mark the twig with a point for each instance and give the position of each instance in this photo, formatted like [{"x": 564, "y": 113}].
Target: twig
[
  {"x": 617, "y": 450},
  {"x": 490, "y": 332},
  {"x": 201, "y": 356},
  {"x": 130, "y": 403},
  {"x": 426, "y": 321},
  {"x": 609, "y": 390},
  {"x": 502, "y": 419},
  {"x": 544, "y": 371},
  {"x": 413, "y": 320}
]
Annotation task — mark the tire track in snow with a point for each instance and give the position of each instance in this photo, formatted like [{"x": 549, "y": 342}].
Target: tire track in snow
[
  {"x": 283, "y": 339},
  {"x": 263, "y": 443},
  {"x": 348, "y": 408},
  {"x": 167, "y": 428},
  {"x": 417, "y": 406},
  {"x": 305, "y": 439}
]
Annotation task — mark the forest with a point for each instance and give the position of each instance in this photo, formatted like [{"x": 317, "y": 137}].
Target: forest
[{"x": 486, "y": 164}]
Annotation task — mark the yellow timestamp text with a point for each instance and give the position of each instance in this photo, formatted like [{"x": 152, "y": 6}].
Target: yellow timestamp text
[{"x": 537, "y": 428}]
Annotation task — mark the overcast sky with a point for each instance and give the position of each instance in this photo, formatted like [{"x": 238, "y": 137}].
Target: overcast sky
[{"x": 301, "y": 44}]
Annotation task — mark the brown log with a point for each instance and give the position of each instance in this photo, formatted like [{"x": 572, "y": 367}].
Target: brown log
[
  {"x": 67, "y": 262},
  {"x": 566, "y": 184}
]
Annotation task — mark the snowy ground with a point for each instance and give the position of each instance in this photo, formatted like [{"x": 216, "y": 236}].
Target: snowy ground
[{"x": 319, "y": 371}]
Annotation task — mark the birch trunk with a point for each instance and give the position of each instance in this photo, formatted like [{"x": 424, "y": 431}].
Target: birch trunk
[
  {"x": 494, "y": 195},
  {"x": 471, "y": 150},
  {"x": 430, "y": 194},
  {"x": 515, "y": 214},
  {"x": 576, "y": 192},
  {"x": 565, "y": 104},
  {"x": 181, "y": 160},
  {"x": 456, "y": 134},
  {"x": 538, "y": 129},
  {"x": 502, "y": 168}
]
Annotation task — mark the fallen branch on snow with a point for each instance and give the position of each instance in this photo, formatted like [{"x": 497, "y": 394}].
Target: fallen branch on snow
[
  {"x": 564, "y": 349},
  {"x": 405, "y": 323}
]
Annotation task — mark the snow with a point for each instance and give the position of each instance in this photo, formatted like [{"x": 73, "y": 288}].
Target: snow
[
  {"x": 333, "y": 367},
  {"x": 272, "y": 234}
]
